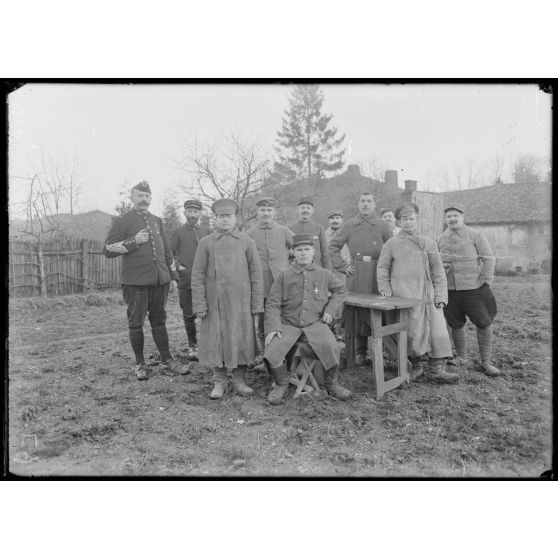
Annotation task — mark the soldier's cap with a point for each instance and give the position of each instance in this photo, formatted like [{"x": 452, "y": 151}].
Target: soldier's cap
[
  {"x": 306, "y": 238},
  {"x": 266, "y": 202},
  {"x": 143, "y": 186},
  {"x": 334, "y": 212},
  {"x": 196, "y": 204},
  {"x": 224, "y": 206},
  {"x": 306, "y": 199},
  {"x": 405, "y": 209},
  {"x": 386, "y": 210},
  {"x": 455, "y": 206}
]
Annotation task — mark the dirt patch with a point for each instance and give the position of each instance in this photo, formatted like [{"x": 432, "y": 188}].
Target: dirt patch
[{"x": 75, "y": 408}]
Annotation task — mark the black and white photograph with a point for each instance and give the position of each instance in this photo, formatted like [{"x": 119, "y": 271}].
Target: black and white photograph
[{"x": 289, "y": 279}]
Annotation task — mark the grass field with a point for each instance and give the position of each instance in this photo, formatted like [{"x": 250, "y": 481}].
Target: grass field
[{"x": 76, "y": 409}]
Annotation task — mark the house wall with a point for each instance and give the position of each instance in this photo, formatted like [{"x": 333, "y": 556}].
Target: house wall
[{"x": 518, "y": 247}]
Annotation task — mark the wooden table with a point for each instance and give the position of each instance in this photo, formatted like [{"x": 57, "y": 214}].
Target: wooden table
[{"x": 393, "y": 335}]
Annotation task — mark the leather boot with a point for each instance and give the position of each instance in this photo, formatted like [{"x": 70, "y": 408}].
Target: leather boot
[
  {"x": 417, "y": 369},
  {"x": 333, "y": 387},
  {"x": 220, "y": 382},
  {"x": 438, "y": 372},
  {"x": 239, "y": 383},
  {"x": 281, "y": 378}
]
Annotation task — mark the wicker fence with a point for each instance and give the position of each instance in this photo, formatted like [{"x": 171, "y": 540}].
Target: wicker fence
[{"x": 60, "y": 267}]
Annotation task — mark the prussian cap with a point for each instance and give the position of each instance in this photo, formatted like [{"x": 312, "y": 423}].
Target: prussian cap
[
  {"x": 266, "y": 202},
  {"x": 455, "y": 206},
  {"x": 405, "y": 209},
  {"x": 195, "y": 204},
  {"x": 306, "y": 199},
  {"x": 305, "y": 238},
  {"x": 334, "y": 212},
  {"x": 224, "y": 206}
]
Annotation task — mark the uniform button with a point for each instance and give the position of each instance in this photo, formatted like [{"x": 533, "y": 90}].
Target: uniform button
[{"x": 153, "y": 259}]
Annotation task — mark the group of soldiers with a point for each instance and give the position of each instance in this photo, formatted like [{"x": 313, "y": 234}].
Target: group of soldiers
[{"x": 259, "y": 293}]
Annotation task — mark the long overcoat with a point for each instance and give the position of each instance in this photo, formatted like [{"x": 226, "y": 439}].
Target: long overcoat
[
  {"x": 296, "y": 303},
  {"x": 411, "y": 266},
  {"x": 227, "y": 284}
]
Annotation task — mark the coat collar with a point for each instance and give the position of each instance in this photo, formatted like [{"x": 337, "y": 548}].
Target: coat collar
[
  {"x": 372, "y": 220},
  {"x": 264, "y": 226},
  {"x": 218, "y": 234},
  {"x": 298, "y": 269}
]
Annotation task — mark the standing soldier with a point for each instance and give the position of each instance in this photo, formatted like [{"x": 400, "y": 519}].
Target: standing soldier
[
  {"x": 410, "y": 266},
  {"x": 365, "y": 235},
  {"x": 335, "y": 217},
  {"x": 184, "y": 242},
  {"x": 301, "y": 305},
  {"x": 139, "y": 237},
  {"x": 305, "y": 225},
  {"x": 469, "y": 263},
  {"x": 273, "y": 242},
  {"x": 389, "y": 217},
  {"x": 227, "y": 294}
]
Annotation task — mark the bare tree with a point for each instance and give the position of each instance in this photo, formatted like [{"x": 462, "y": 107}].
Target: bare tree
[
  {"x": 494, "y": 169},
  {"x": 527, "y": 169},
  {"x": 460, "y": 175},
  {"x": 473, "y": 173},
  {"x": 236, "y": 171}
]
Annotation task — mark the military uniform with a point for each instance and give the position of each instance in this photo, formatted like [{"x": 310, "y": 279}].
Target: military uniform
[
  {"x": 184, "y": 243},
  {"x": 145, "y": 276},
  {"x": 365, "y": 237}
]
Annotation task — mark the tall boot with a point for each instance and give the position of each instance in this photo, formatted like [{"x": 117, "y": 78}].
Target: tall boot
[
  {"x": 239, "y": 383},
  {"x": 161, "y": 338},
  {"x": 281, "y": 378},
  {"x": 220, "y": 383},
  {"x": 417, "y": 368},
  {"x": 484, "y": 338},
  {"x": 361, "y": 349},
  {"x": 333, "y": 387},
  {"x": 190, "y": 325},
  {"x": 438, "y": 372},
  {"x": 459, "y": 336}
]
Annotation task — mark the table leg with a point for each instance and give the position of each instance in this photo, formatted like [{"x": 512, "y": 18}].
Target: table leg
[
  {"x": 402, "y": 365},
  {"x": 350, "y": 335},
  {"x": 378, "y": 356}
]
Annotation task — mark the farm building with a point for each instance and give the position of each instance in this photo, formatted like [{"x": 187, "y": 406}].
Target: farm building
[{"x": 515, "y": 218}]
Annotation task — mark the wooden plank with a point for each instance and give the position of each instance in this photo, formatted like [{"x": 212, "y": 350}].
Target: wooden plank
[
  {"x": 377, "y": 353},
  {"x": 380, "y": 302},
  {"x": 393, "y": 383},
  {"x": 388, "y": 330}
]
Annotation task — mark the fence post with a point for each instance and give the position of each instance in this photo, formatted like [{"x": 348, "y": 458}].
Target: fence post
[
  {"x": 41, "y": 262},
  {"x": 84, "y": 264}
]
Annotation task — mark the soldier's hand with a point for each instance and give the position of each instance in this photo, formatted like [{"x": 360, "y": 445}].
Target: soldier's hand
[
  {"x": 142, "y": 237},
  {"x": 201, "y": 315},
  {"x": 386, "y": 293},
  {"x": 269, "y": 337},
  {"x": 172, "y": 286},
  {"x": 350, "y": 270},
  {"x": 440, "y": 304},
  {"x": 327, "y": 318},
  {"x": 117, "y": 247}
]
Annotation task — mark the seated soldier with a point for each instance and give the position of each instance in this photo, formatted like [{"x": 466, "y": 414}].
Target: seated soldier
[{"x": 302, "y": 302}]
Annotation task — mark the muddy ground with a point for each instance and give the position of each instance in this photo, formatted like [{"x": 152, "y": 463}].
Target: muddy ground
[{"x": 76, "y": 409}]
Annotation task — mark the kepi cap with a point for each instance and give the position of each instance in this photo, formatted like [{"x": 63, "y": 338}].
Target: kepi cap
[
  {"x": 143, "y": 186},
  {"x": 193, "y": 203},
  {"x": 334, "y": 212},
  {"x": 224, "y": 206},
  {"x": 306, "y": 199},
  {"x": 406, "y": 208},
  {"x": 266, "y": 202},
  {"x": 306, "y": 238}
]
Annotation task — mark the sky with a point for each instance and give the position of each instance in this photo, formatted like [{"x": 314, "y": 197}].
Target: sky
[{"x": 121, "y": 134}]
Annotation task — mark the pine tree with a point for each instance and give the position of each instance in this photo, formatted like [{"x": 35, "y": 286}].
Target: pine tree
[
  {"x": 307, "y": 146},
  {"x": 171, "y": 218}
]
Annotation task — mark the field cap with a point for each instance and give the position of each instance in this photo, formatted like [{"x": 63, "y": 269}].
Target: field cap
[
  {"x": 193, "y": 203},
  {"x": 455, "y": 206},
  {"x": 143, "y": 186},
  {"x": 306, "y": 238},
  {"x": 224, "y": 206},
  {"x": 266, "y": 202},
  {"x": 405, "y": 209},
  {"x": 334, "y": 212},
  {"x": 386, "y": 210}
]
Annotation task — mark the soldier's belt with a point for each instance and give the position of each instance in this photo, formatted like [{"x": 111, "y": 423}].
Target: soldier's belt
[{"x": 363, "y": 258}]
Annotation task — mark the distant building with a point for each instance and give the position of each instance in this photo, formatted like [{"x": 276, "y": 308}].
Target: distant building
[{"x": 515, "y": 218}]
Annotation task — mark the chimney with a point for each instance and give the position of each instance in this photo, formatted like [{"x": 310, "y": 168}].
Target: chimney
[
  {"x": 390, "y": 179},
  {"x": 410, "y": 186},
  {"x": 353, "y": 170}
]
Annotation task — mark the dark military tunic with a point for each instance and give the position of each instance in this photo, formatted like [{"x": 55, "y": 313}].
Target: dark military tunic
[
  {"x": 144, "y": 264},
  {"x": 295, "y": 305}
]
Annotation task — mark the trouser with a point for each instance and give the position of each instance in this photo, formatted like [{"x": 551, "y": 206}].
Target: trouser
[
  {"x": 185, "y": 301},
  {"x": 479, "y": 305},
  {"x": 150, "y": 301}
]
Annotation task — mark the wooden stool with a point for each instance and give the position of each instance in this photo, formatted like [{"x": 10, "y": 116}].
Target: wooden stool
[{"x": 303, "y": 363}]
